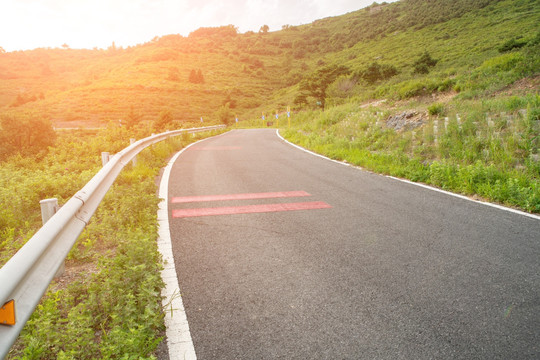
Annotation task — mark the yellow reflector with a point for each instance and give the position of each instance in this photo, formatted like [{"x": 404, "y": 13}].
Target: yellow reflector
[{"x": 7, "y": 313}]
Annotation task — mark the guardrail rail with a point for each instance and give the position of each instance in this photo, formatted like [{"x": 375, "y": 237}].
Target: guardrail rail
[{"x": 24, "y": 279}]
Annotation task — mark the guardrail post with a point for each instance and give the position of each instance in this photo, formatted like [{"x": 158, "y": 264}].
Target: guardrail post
[
  {"x": 49, "y": 207},
  {"x": 134, "y": 160},
  {"x": 104, "y": 158}
]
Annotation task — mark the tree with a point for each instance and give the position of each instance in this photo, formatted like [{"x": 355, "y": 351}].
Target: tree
[
  {"x": 163, "y": 121},
  {"x": 224, "y": 114},
  {"x": 200, "y": 78},
  {"x": 196, "y": 76},
  {"x": 25, "y": 135},
  {"x": 264, "y": 29},
  {"x": 174, "y": 74},
  {"x": 376, "y": 72},
  {"x": 424, "y": 63},
  {"x": 222, "y": 31},
  {"x": 133, "y": 118},
  {"x": 192, "y": 76},
  {"x": 316, "y": 84}
]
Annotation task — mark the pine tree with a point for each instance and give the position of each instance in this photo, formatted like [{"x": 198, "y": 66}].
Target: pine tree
[
  {"x": 193, "y": 76},
  {"x": 200, "y": 78}
]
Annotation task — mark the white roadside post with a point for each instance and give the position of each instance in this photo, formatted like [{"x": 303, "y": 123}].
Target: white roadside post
[
  {"x": 104, "y": 158},
  {"x": 134, "y": 160},
  {"x": 49, "y": 207}
]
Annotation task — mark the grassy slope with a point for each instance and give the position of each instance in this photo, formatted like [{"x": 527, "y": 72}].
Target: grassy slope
[{"x": 103, "y": 85}]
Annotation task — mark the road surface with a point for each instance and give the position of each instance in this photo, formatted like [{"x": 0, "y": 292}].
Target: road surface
[{"x": 284, "y": 255}]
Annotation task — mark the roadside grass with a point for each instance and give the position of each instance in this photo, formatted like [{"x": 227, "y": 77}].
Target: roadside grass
[
  {"x": 483, "y": 148},
  {"x": 111, "y": 309}
]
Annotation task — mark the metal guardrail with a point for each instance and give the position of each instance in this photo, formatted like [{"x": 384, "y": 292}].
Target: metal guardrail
[{"x": 27, "y": 275}]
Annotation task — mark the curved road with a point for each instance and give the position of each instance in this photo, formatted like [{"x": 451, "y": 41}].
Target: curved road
[{"x": 284, "y": 255}]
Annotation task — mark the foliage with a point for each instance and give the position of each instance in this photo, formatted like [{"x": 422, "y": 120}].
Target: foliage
[
  {"x": 511, "y": 45},
  {"x": 101, "y": 315},
  {"x": 436, "y": 109},
  {"x": 113, "y": 308},
  {"x": 495, "y": 158},
  {"x": 376, "y": 72},
  {"x": 317, "y": 83},
  {"x": 164, "y": 121},
  {"x": 196, "y": 76},
  {"x": 174, "y": 74},
  {"x": 133, "y": 118},
  {"x": 93, "y": 87},
  {"x": 221, "y": 31},
  {"x": 26, "y": 134},
  {"x": 424, "y": 63},
  {"x": 224, "y": 114}
]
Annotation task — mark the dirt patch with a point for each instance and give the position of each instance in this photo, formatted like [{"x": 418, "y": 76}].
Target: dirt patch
[
  {"x": 374, "y": 103},
  {"x": 73, "y": 271},
  {"x": 406, "y": 120},
  {"x": 521, "y": 87}
]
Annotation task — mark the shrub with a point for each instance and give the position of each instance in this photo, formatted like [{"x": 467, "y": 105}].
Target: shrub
[
  {"x": 436, "y": 109},
  {"x": 424, "y": 63},
  {"x": 224, "y": 114},
  {"x": 500, "y": 63},
  {"x": 511, "y": 45},
  {"x": 165, "y": 119},
  {"x": 377, "y": 72},
  {"x": 25, "y": 135}
]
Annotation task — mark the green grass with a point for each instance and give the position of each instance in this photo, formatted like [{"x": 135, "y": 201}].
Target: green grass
[
  {"x": 493, "y": 156},
  {"x": 112, "y": 308}
]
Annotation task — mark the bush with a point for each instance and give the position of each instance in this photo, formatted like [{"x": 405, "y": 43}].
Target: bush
[
  {"x": 224, "y": 114},
  {"x": 165, "y": 119},
  {"x": 500, "y": 63},
  {"x": 511, "y": 45},
  {"x": 436, "y": 109},
  {"x": 377, "y": 72},
  {"x": 424, "y": 63},
  {"x": 25, "y": 135}
]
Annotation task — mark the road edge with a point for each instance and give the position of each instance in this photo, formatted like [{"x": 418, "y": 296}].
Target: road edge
[
  {"x": 179, "y": 341},
  {"x": 497, "y": 206}
]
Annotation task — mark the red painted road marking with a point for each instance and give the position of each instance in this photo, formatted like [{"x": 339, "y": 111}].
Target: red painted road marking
[
  {"x": 182, "y": 213},
  {"x": 281, "y": 194},
  {"x": 217, "y": 148}
]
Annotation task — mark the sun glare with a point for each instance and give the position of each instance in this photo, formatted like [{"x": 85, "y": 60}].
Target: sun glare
[{"x": 29, "y": 24}]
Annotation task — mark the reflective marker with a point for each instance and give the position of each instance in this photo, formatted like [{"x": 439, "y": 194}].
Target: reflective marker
[{"x": 7, "y": 313}]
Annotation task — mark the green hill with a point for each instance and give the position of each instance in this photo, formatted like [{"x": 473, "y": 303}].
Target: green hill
[{"x": 256, "y": 72}]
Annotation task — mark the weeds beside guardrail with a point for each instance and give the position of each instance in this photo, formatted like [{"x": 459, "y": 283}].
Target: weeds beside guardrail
[{"x": 26, "y": 276}]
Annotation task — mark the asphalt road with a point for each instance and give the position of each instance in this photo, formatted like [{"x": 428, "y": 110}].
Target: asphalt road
[{"x": 384, "y": 270}]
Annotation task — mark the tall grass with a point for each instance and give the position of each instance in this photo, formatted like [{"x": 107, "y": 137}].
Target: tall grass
[
  {"x": 488, "y": 149},
  {"x": 111, "y": 305}
]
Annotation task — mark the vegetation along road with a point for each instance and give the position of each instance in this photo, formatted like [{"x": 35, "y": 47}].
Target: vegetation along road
[{"x": 282, "y": 254}]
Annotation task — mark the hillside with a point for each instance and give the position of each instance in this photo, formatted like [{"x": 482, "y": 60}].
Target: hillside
[{"x": 256, "y": 72}]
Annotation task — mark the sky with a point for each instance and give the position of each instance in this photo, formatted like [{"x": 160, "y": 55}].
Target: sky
[{"x": 30, "y": 24}]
